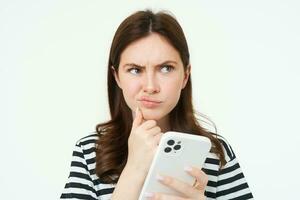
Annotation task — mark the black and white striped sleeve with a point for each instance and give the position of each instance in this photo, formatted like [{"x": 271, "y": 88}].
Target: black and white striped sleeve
[
  {"x": 231, "y": 182},
  {"x": 79, "y": 184}
]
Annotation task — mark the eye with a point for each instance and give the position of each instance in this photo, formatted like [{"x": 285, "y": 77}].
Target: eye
[
  {"x": 133, "y": 70},
  {"x": 166, "y": 68}
]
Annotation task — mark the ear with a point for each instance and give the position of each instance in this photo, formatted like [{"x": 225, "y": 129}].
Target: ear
[
  {"x": 186, "y": 76},
  {"x": 115, "y": 73}
]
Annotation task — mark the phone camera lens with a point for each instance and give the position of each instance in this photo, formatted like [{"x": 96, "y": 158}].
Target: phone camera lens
[
  {"x": 177, "y": 147},
  {"x": 168, "y": 149},
  {"x": 171, "y": 142}
]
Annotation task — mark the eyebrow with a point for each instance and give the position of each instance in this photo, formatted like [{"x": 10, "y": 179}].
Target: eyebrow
[{"x": 141, "y": 66}]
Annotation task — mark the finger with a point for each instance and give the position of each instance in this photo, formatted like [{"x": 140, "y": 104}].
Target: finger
[
  {"x": 160, "y": 196},
  {"x": 148, "y": 124},
  {"x": 138, "y": 118},
  {"x": 157, "y": 138},
  {"x": 199, "y": 175},
  {"x": 154, "y": 131},
  {"x": 182, "y": 187}
]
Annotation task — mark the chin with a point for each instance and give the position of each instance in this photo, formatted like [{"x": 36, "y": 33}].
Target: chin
[
  {"x": 148, "y": 115},
  {"x": 152, "y": 118}
]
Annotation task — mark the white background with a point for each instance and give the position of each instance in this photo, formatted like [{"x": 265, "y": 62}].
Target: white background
[{"x": 53, "y": 56}]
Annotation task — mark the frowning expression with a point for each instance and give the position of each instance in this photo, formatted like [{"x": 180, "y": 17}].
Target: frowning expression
[{"x": 151, "y": 76}]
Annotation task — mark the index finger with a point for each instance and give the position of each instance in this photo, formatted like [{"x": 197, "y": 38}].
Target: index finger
[{"x": 138, "y": 119}]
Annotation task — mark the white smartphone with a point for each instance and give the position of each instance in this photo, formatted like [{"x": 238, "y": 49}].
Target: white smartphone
[{"x": 175, "y": 151}]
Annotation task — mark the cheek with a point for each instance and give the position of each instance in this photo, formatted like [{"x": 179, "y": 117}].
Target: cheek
[
  {"x": 172, "y": 90},
  {"x": 173, "y": 86},
  {"x": 130, "y": 90}
]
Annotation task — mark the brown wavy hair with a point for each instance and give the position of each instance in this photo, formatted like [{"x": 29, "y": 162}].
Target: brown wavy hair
[{"x": 112, "y": 147}]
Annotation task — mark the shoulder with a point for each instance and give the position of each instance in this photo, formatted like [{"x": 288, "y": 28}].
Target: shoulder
[
  {"x": 86, "y": 146},
  {"x": 227, "y": 182},
  {"x": 88, "y": 140},
  {"x": 228, "y": 151},
  {"x": 213, "y": 161}
]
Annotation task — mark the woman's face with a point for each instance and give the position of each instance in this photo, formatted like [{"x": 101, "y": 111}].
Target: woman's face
[{"x": 151, "y": 76}]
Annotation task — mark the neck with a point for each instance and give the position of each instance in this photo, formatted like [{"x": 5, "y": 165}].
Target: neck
[{"x": 164, "y": 124}]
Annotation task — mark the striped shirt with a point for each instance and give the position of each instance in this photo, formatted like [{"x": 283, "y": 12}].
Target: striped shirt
[{"x": 83, "y": 183}]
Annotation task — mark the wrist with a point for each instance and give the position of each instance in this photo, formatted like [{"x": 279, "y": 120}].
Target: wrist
[
  {"x": 135, "y": 170},
  {"x": 136, "y": 179}
]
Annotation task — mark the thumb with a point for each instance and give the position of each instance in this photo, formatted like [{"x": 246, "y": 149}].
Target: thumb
[{"x": 138, "y": 118}]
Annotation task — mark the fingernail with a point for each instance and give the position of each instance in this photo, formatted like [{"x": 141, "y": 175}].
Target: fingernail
[
  {"x": 149, "y": 195},
  {"x": 136, "y": 110},
  {"x": 188, "y": 169},
  {"x": 159, "y": 177}
]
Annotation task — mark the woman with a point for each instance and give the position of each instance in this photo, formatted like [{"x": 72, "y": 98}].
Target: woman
[{"x": 150, "y": 92}]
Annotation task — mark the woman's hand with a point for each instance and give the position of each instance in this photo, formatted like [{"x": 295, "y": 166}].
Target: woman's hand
[
  {"x": 189, "y": 192},
  {"x": 142, "y": 142}
]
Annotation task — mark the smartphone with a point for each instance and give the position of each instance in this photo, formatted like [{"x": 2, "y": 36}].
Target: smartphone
[{"x": 175, "y": 151}]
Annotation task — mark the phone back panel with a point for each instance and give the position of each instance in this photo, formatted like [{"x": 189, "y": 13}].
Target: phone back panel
[{"x": 175, "y": 151}]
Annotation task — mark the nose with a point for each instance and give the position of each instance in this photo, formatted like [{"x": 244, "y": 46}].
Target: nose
[{"x": 151, "y": 84}]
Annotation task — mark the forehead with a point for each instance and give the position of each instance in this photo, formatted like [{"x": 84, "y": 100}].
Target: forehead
[{"x": 150, "y": 50}]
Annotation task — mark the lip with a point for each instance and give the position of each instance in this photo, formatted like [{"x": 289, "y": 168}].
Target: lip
[
  {"x": 149, "y": 103},
  {"x": 149, "y": 100}
]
